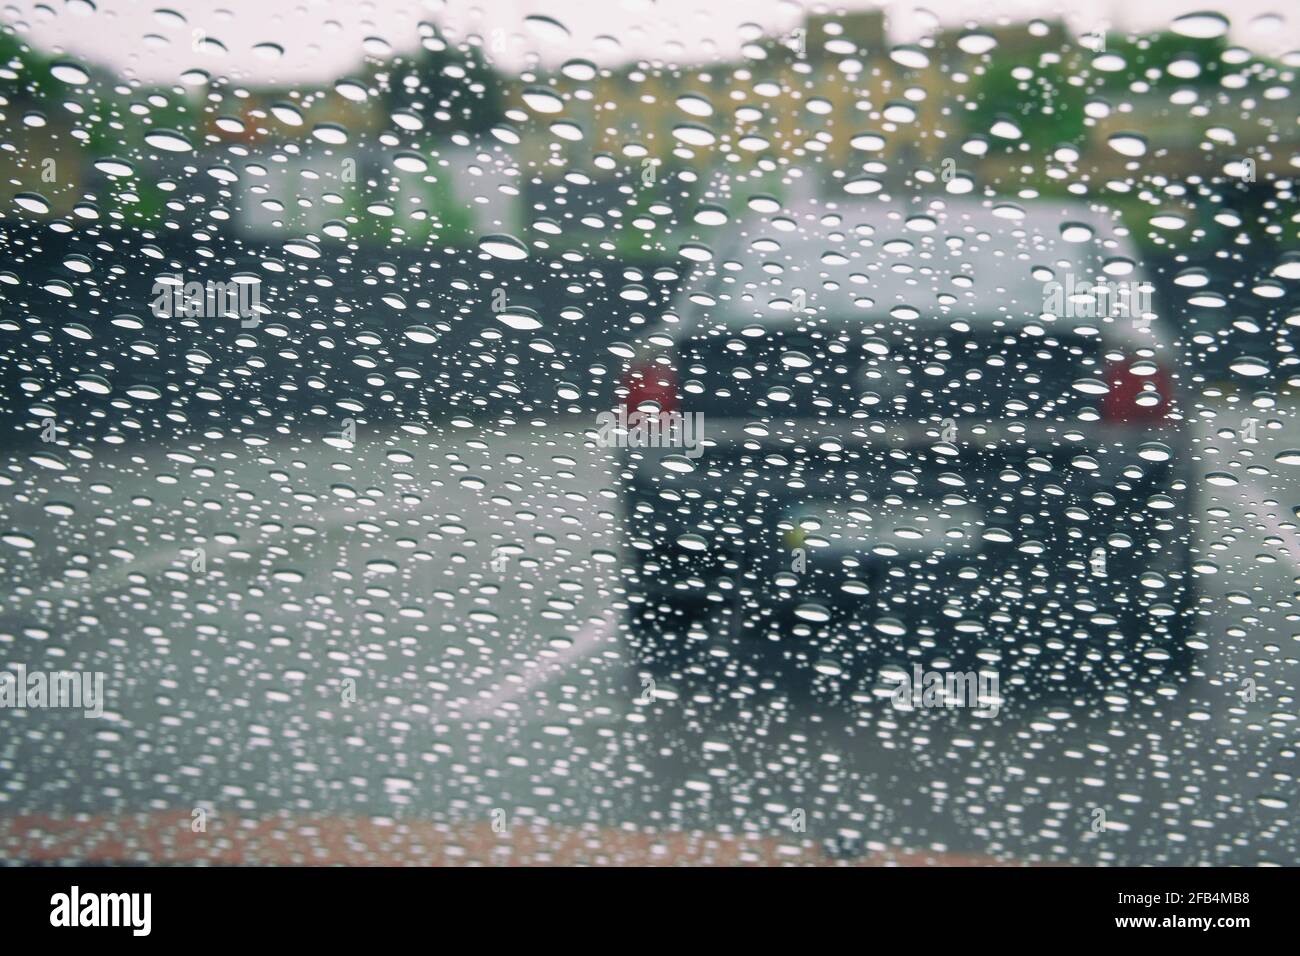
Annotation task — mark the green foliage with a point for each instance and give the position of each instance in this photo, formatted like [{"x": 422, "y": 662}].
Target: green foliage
[
  {"x": 32, "y": 83},
  {"x": 474, "y": 100},
  {"x": 1047, "y": 107},
  {"x": 1156, "y": 52}
]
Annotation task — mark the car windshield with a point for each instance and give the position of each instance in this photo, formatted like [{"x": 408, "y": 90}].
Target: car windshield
[{"x": 651, "y": 433}]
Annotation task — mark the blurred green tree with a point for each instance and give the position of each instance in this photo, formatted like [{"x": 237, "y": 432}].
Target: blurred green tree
[{"x": 457, "y": 80}]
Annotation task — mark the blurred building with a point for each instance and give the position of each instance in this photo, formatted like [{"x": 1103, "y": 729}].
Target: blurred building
[{"x": 443, "y": 149}]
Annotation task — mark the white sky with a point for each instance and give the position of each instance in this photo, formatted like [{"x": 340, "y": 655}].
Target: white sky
[{"x": 324, "y": 39}]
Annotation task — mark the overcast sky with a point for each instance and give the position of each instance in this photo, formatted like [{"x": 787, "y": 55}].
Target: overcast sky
[{"x": 323, "y": 39}]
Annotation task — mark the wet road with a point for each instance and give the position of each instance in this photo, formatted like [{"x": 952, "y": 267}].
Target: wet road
[{"x": 425, "y": 627}]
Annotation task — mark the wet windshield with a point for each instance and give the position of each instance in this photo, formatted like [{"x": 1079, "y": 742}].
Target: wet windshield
[{"x": 670, "y": 433}]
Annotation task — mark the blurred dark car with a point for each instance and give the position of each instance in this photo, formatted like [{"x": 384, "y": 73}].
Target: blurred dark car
[{"x": 942, "y": 433}]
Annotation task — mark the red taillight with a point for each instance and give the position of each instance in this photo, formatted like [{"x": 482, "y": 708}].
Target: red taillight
[
  {"x": 651, "y": 382},
  {"x": 1126, "y": 386}
]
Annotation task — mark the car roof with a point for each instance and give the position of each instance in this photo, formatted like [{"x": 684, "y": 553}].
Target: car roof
[{"x": 936, "y": 260}]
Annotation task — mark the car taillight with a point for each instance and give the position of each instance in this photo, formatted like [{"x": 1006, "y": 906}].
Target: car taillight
[
  {"x": 653, "y": 383},
  {"x": 1125, "y": 402}
]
